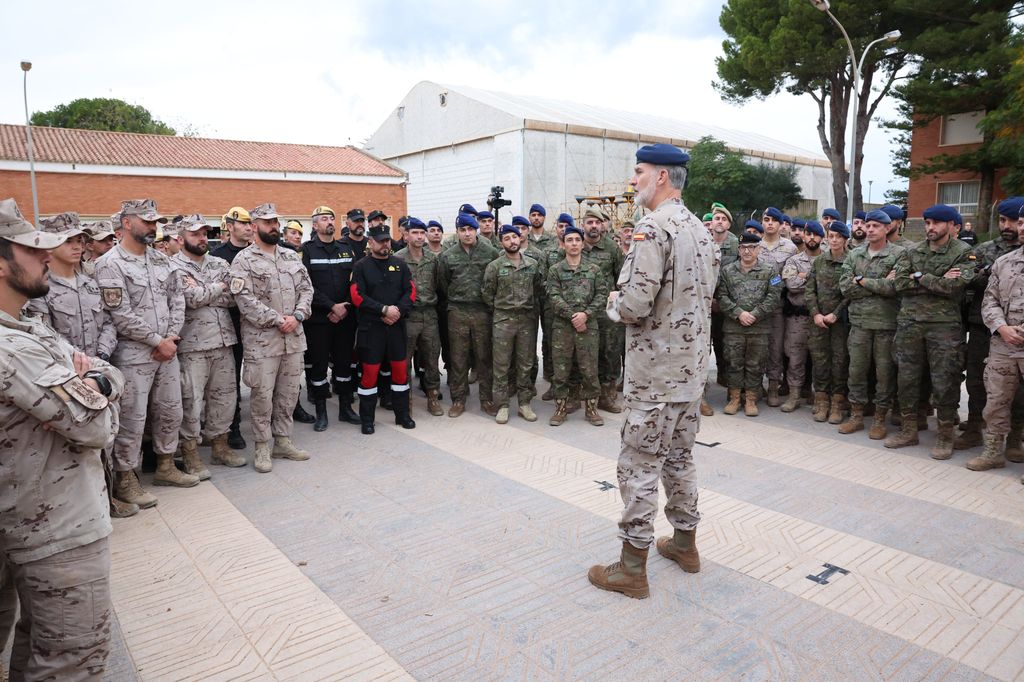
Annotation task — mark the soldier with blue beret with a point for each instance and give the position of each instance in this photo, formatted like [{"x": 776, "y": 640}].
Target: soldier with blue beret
[{"x": 775, "y": 250}]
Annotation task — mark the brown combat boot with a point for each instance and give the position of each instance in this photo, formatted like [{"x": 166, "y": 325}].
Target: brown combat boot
[
  {"x": 489, "y": 408},
  {"x": 908, "y": 432},
  {"x": 558, "y": 418},
  {"x": 794, "y": 400},
  {"x": 168, "y": 474},
  {"x": 222, "y": 454},
  {"x": 628, "y": 575},
  {"x": 682, "y": 549},
  {"x": 991, "y": 458},
  {"x": 190, "y": 457},
  {"x": 607, "y": 401},
  {"x": 705, "y": 408},
  {"x": 129, "y": 491},
  {"x": 839, "y": 404},
  {"x": 591, "y": 414},
  {"x": 750, "y": 403},
  {"x": 549, "y": 394},
  {"x": 457, "y": 408},
  {"x": 855, "y": 422},
  {"x": 1014, "y": 451},
  {"x": 122, "y": 510},
  {"x": 878, "y": 429},
  {"x": 970, "y": 436},
  {"x": 434, "y": 403},
  {"x": 943, "y": 448},
  {"x": 773, "y": 394},
  {"x": 820, "y": 406},
  {"x": 733, "y": 406}
]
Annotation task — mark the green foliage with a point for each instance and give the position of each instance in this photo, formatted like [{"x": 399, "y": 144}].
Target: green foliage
[
  {"x": 102, "y": 114},
  {"x": 1005, "y": 129},
  {"x": 719, "y": 174}
]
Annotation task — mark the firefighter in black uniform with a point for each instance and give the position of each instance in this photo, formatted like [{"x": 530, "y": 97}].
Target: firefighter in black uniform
[
  {"x": 383, "y": 291},
  {"x": 331, "y": 328}
]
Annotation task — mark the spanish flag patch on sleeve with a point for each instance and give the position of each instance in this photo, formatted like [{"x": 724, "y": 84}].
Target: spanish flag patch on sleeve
[{"x": 639, "y": 237}]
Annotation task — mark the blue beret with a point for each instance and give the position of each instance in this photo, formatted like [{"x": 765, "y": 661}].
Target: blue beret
[
  {"x": 772, "y": 212},
  {"x": 831, "y": 213},
  {"x": 754, "y": 224},
  {"x": 959, "y": 220},
  {"x": 415, "y": 224},
  {"x": 572, "y": 229},
  {"x": 893, "y": 211},
  {"x": 520, "y": 220},
  {"x": 434, "y": 223},
  {"x": 537, "y": 208},
  {"x": 747, "y": 238},
  {"x": 859, "y": 215},
  {"x": 466, "y": 220},
  {"x": 787, "y": 219},
  {"x": 1011, "y": 207},
  {"x": 468, "y": 209},
  {"x": 510, "y": 229},
  {"x": 662, "y": 155},
  {"x": 799, "y": 222},
  {"x": 942, "y": 213},
  {"x": 879, "y": 216},
  {"x": 484, "y": 214},
  {"x": 840, "y": 227},
  {"x": 814, "y": 227},
  {"x": 566, "y": 218}
]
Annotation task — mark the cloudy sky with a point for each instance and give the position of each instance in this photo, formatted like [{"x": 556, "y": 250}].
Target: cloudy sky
[{"x": 330, "y": 72}]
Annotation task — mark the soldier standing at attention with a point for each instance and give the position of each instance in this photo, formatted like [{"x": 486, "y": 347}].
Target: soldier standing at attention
[
  {"x": 857, "y": 233},
  {"x": 776, "y": 250},
  {"x": 488, "y": 231},
  {"x": 140, "y": 290},
  {"x": 512, "y": 290},
  {"x": 599, "y": 249},
  {"x": 664, "y": 299},
  {"x": 797, "y": 316},
  {"x": 273, "y": 293},
  {"x": 931, "y": 278},
  {"x": 728, "y": 247},
  {"x": 829, "y": 327}
]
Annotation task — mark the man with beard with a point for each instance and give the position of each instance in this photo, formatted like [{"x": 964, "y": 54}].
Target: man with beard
[
  {"x": 512, "y": 290},
  {"x": 830, "y": 327},
  {"x": 857, "y": 232},
  {"x": 797, "y": 316},
  {"x": 331, "y": 328},
  {"x": 600, "y": 250},
  {"x": 139, "y": 289},
  {"x": 537, "y": 236},
  {"x": 895, "y": 234},
  {"x": 205, "y": 349},
  {"x": 666, "y": 285},
  {"x": 979, "y": 337},
  {"x": 354, "y": 235},
  {"x": 931, "y": 278},
  {"x": 775, "y": 250},
  {"x": 796, "y": 233},
  {"x": 238, "y": 225},
  {"x": 58, "y": 411},
  {"x": 273, "y": 293},
  {"x": 99, "y": 238}
]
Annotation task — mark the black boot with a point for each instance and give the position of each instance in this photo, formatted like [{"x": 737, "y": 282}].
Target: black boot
[
  {"x": 345, "y": 412},
  {"x": 235, "y": 439},
  {"x": 148, "y": 457},
  {"x": 367, "y": 410},
  {"x": 400, "y": 403},
  {"x": 300, "y": 415},
  {"x": 384, "y": 389},
  {"x": 320, "y": 423}
]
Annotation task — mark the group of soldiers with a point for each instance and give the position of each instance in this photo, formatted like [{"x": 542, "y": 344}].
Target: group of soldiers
[{"x": 888, "y": 326}]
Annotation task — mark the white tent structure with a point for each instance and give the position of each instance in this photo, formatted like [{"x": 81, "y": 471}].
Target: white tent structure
[{"x": 457, "y": 142}]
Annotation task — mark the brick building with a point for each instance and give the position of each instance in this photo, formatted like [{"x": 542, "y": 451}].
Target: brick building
[{"x": 91, "y": 172}]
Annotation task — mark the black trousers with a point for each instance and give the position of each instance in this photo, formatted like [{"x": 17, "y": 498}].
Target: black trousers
[{"x": 330, "y": 345}]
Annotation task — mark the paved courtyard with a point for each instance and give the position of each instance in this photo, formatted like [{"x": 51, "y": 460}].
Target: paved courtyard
[{"x": 459, "y": 550}]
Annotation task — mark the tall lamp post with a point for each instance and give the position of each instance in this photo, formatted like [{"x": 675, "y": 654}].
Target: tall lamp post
[
  {"x": 857, "y": 66},
  {"x": 26, "y": 67}
]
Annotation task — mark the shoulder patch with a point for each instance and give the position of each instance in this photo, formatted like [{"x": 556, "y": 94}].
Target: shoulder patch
[
  {"x": 776, "y": 280},
  {"x": 112, "y": 296},
  {"x": 237, "y": 284}
]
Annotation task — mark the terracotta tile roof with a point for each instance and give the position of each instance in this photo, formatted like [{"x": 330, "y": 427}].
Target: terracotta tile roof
[{"x": 94, "y": 147}]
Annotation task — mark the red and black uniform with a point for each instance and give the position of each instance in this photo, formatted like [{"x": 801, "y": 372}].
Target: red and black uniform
[
  {"x": 329, "y": 343},
  {"x": 376, "y": 284}
]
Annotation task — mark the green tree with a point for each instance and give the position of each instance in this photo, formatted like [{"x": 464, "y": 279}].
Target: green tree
[{"x": 101, "y": 113}]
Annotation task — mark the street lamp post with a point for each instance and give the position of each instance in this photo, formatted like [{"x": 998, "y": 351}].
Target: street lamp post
[
  {"x": 891, "y": 37},
  {"x": 26, "y": 67}
]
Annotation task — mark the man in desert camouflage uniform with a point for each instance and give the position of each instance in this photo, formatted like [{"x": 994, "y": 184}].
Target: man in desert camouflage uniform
[
  {"x": 776, "y": 250},
  {"x": 274, "y": 293},
  {"x": 795, "y": 312},
  {"x": 99, "y": 238},
  {"x": 205, "y": 349},
  {"x": 141, "y": 292},
  {"x": 664, "y": 299},
  {"x": 58, "y": 412}
]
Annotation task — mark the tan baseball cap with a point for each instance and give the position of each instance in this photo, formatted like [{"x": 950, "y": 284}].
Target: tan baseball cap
[
  {"x": 194, "y": 223},
  {"x": 66, "y": 224},
  {"x": 265, "y": 212},
  {"x": 99, "y": 230},
  {"x": 14, "y": 228},
  {"x": 144, "y": 208}
]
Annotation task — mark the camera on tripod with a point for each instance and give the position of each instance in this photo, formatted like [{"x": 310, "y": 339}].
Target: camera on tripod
[{"x": 494, "y": 199}]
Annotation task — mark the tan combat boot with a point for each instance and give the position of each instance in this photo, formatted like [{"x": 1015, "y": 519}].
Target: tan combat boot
[
  {"x": 261, "y": 460},
  {"x": 773, "y": 394},
  {"x": 733, "y": 406},
  {"x": 855, "y": 422},
  {"x": 878, "y": 429},
  {"x": 628, "y": 575},
  {"x": 794, "y": 400},
  {"x": 750, "y": 403},
  {"x": 943, "y": 448},
  {"x": 190, "y": 457},
  {"x": 591, "y": 414},
  {"x": 607, "y": 400},
  {"x": 168, "y": 474},
  {"x": 457, "y": 408},
  {"x": 527, "y": 413},
  {"x": 839, "y": 404},
  {"x": 122, "y": 510},
  {"x": 284, "y": 448},
  {"x": 970, "y": 434},
  {"x": 502, "y": 416},
  {"x": 1014, "y": 451},
  {"x": 991, "y": 458},
  {"x": 222, "y": 454},
  {"x": 558, "y": 418},
  {"x": 820, "y": 406},
  {"x": 434, "y": 403},
  {"x": 705, "y": 408},
  {"x": 682, "y": 549},
  {"x": 129, "y": 491},
  {"x": 908, "y": 432}
]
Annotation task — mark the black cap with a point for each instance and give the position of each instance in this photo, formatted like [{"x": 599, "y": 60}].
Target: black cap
[
  {"x": 376, "y": 214},
  {"x": 379, "y": 233},
  {"x": 748, "y": 238},
  {"x": 356, "y": 214}
]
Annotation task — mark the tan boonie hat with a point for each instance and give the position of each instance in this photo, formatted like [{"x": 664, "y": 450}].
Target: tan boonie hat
[
  {"x": 65, "y": 224},
  {"x": 265, "y": 212},
  {"x": 98, "y": 231},
  {"x": 144, "y": 208},
  {"x": 237, "y": 214},
  {"x": 194, "y": 222},
  {"x": 14, "y": 228}
]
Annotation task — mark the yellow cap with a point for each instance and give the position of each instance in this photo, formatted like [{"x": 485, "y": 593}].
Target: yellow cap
[
  {"x": 323, "y": 210},
  {"x": 294, "y": 225},
  {"x": 237, "y": 214}
]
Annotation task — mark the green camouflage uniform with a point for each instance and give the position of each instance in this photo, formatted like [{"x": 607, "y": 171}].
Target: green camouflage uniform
[
  {"x": 730, "y": 253},
  {"x": 513, "y": 293},
  {"x": 758, "y": 292},
  {"x": 929, "y": 327},
  {"x": 608, "y": 257},
  {"x": 829, "y": 355},
  {"x": 421, "y": 326},
  {"x": 572, "y": 290}
]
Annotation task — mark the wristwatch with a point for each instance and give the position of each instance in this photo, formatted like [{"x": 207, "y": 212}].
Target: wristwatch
[
  {"x": 299, "y": 316},
  {"x": 103, "y": 356},
  {"x": 858, "y": 279},
  {"x": 101, "y": 381},
  {"x": 918, "y": 275}
]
